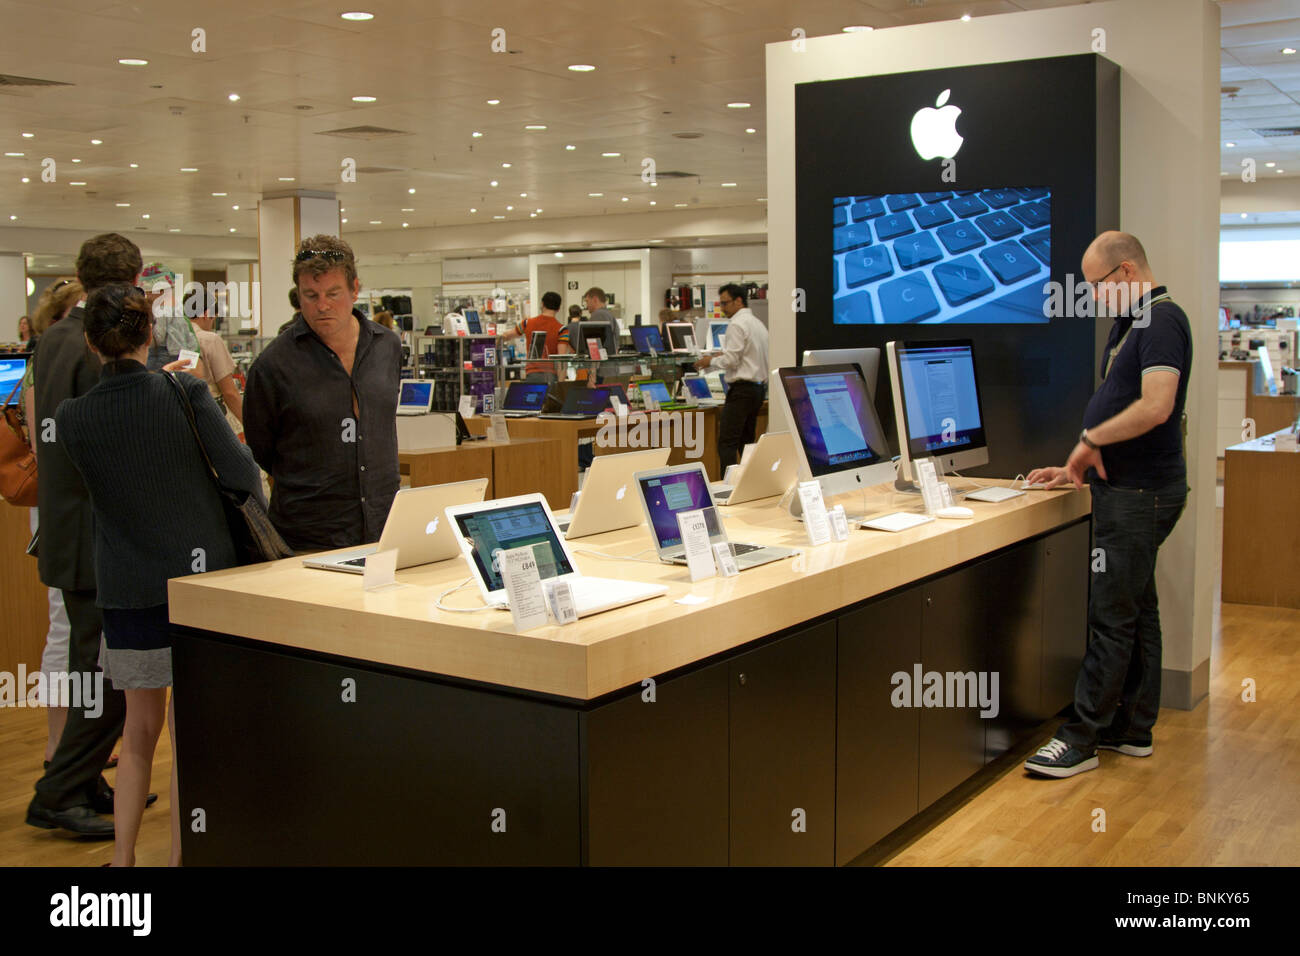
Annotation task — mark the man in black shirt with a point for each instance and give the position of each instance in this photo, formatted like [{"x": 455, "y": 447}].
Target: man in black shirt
[
  {"x": 1131, "y": 451},
  {"x": 320, "y": 409}
]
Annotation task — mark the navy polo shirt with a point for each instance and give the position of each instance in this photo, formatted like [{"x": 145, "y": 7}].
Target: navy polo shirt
[{"x": 1164, "y": 343}]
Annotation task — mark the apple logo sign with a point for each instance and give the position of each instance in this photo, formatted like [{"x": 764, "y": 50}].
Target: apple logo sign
[
  {"x": 934, "y": 131},
  {"x": 776, "y": 464},
  {"x": 431, "y": 527},
  {"x": 618, "y": 496}
]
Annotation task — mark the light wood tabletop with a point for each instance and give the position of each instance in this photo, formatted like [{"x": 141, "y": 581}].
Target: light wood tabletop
[{"x": 282, "y": 603}]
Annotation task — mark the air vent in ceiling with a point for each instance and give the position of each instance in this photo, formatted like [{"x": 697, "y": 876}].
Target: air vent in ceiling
[
  {"x": 8, "y": 79},
  {"x": 676, "y": 174},
  {"x": 363, "y": 132},
  {"x": 1278, "y": 131},
  {"x": 688, "y": 134},
  {"x": 381, "y": 169}
]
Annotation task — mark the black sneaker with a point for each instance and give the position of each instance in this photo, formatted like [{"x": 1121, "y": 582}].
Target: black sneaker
[
  {"x": 1129, "y": 746},
  {"x": 1056, "y": 758}
]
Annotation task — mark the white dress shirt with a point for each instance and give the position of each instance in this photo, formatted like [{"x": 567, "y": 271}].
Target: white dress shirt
[{"x": 744, "y": 350}]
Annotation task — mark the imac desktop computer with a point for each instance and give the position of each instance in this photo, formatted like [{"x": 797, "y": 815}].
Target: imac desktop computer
[
  {"x": 866, "y": 359},
  {"x": 936, "y": 407}
]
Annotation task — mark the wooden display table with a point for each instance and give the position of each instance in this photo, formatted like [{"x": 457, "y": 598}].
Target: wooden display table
[
  {"x": 518, "y": 467},
  {"x": 656, "y": 733},
  {"x": 24, "y": 602},
  {"x": 1261, "y": 524}
]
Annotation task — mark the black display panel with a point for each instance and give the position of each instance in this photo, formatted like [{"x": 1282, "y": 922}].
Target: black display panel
[{"x": 1038, "y": 136}]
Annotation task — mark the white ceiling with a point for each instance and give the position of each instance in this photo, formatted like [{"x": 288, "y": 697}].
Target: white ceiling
[{"x": 662, "y": 68}]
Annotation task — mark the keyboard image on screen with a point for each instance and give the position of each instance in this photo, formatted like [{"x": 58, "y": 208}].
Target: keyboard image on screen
[{"x": 980, "y": 255}]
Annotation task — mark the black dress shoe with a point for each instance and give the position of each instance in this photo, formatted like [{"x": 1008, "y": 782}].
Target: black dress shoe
[
  {"x": 103, "y": 802},
  {"x": 82, "y": 820}
]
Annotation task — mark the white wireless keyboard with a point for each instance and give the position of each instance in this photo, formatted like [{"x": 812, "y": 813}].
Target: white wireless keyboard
[
  {"x": 994, "y": 494},
  {"x": 898, "y": 521}
]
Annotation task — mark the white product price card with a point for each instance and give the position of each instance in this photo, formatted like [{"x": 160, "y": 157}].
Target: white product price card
[
  {"x": 619, "y": 408},
  {"x": 189, "y": 357},
  {"x": 559, "y": 597},
  {"x": 929, "y": 481},
  {"x": 570, "y": 373},
  {"x": 945, "y": 494},
  {"x": 695, "y": 539},
  {"x": 467, "y": 406},
  {"x": 839, "y": 523},
  {"x": 497, "y": 430},
  {"x": 604, "y": 355},
  {"x": 489, "y": 358},
  {"x": 523, "y": 587},
  {"x": 489, "y": 404},
  {"x": 380, "y": 571},
  {"x": 690, "y": 343},
  {"x": 725, "y": 559},
  {"x": 814, "y": 512},
  {"x": 649, "y": 402}
]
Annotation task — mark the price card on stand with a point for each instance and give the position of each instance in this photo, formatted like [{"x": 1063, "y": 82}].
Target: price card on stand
[
  {"x": 815, "y": 520},
  {"x": 559, "y": 597},
  {"x": 467, "y": 406},
  {"x": 839, "y": 523},
  {"x": 497, "y": 430},
  {"x": 695, "y": 539},
  {"x": 523, "y": 587}
]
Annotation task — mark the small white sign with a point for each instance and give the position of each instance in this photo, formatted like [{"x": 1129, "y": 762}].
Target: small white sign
[
  {"x": 726, "y": 561},
  {"x": 570, "y": 374},
  {"x": 189, "y": 357},
  {"x": 467, "y": 406},
  {"x": 559, "y": 597},
  {"x": 695, "y": 539},
  {"x": 497, "y": 430},
  {"x": 929, "y": 481},
  {"x": 814, "y": 512},
  {"x": 649, "y": 402},
  {"x": 523, "y": 588},
  {"x": 604, "y": 355},
  {"x": 839, "y": 523},
  {"x": 619, "y": 408},
  {"x": 690, "y": 343},
  {"x": 380, "y": 571},
  {"x": 945, "y": 494}
]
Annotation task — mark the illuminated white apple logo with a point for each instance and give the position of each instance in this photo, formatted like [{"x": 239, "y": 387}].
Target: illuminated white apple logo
[
  {"x": 776, "y": 464},
  {"x": 934, "y": 131},
  {"x": 620, "y": 493},
  {"x": 431, "y": 527}
]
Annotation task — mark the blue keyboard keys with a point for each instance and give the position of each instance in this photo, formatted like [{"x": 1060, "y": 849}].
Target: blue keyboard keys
[
  {"x": 854, "y": 309},
  {"x": 908, "y": 299},
  {"x": 1040, "y": 244},
  {"x": 927, "y": 217},
  {"x": 999, "y": 225},
  {"x": 966, "y": 206},
  {"x": 917, "y": 250},
  {"x": 866, "y": 265},
  {"x": 1000, "y": 198},
  {"x": 1032, "y": 193},
  {"x": 842, "y": 200},
  {"x": 850, "y": 237},
  {"x": 1032, "y": 214},
  {"x": 840, "y": 216},
  {"x": 959, "y": 237},
  {"x": 1010, "y": 262},
  {"x": 868, "y": 208},
  {"x": 894, "y": 225},
  {"x": 935, "y": 197},
  {"x": 900, "y": 201},
  {"x": 961, "y": 280}
]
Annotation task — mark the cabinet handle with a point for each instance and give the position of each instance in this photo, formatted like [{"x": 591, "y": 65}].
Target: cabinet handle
[
  {"x": 929, "y": 602},
  {"x": 741, "y": 678}
]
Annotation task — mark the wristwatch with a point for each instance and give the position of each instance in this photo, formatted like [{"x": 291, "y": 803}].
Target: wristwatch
[{"x": 1083, "y": 437}]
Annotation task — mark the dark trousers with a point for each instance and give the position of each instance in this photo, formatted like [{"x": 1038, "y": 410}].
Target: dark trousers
[
  {"x": 739, "y": 421},
  {"x": 87, "y": 742},
  {"x": 1118, "y": 689}
]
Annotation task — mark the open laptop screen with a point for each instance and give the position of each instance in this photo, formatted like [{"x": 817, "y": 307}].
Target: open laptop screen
[
  {"x": 666, "y": 494},
  {"x": 646, "y": 337},
  {"x": 525, "y": 397},
  {"x": 699, "y": 387},
  {"x": 415, "y": 395},
  {"x": 12, "y": 370},
  {"x": 586, "y": 401},
  {"x": 493, "y": 530},
  {"x": 656, "y": 390}
]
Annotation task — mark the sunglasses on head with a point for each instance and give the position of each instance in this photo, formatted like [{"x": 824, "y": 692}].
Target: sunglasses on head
[{"x": 319, "y": 254}]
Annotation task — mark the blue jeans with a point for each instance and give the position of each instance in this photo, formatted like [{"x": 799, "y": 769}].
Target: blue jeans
[{"x": 1118, "y": 689}]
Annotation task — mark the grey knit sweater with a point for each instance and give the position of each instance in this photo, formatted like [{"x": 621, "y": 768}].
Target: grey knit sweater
[{"x": 157, "y": 511}]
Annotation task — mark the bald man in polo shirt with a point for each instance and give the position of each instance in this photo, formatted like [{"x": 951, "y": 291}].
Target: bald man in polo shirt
[{"x": 1130, "y": 452}]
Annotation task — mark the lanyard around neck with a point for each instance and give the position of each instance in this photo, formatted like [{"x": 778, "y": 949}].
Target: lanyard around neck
[{"x": 1110, "y": 361}]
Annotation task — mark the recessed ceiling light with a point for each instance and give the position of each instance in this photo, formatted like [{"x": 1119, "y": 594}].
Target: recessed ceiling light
[
  {"x": 653, "y": 203},
  {"x": 656, "y": 240},
  {"x": 965, "y": 18},
  {"x": 654, "y": 183},
  {"x": 581, "y": 67},
  {"x": 506, "y": 165},
  {"x": 1270, "y": 165},
  {"x": 737, "y": 106},
  {"x": 135, "y": 165},
  {"x": 406, "y": 225},
  {"x": 233, "y": 97},
  {"x": 122, "y": 205},
  {"x": 856, "y": 29},
  {"x": 173, "y": 230},
  {"x": 1229, "y": 145},
  {"x": 218, "y": 194},
  {"x": 539, "y": 212},
  {"x": 287, "y": 179},
  {"x": 28, "y": 135},
  {"x": 595, "y": 195},
  {"x": 144, "y": 215},
  {"x": 408, "y": 209},
  {"x": 1279, "y": 170},
  {"x": 363, "y": 99},
  {"x": 376, "y": 222},
  {"x": 762, "y": 199},
  {"x": 493, "y": 183},
  {"x": 12, "y": 218},
  {"x": 751, "y": 130},
  {"x": 535, "y": 126},
  {"x": 411, "y": 191},
  {"x": 236, "y": 208},
  {"x": 76, "y": 184},
  {"x": 570, "y": 146},
  {"x": 680, "y": 205},
  {"x": 498, "y": 217},
  {"x": 493, "y": 102},
  {"x": 343, "y": 221},
  {"x": 184, "y": 169},
  {"x": 510, "y": 208},
  {"x": 476, "y": 134},
  {"x": 1288, "y": 51},
  {"x": 523, "y": 195},
  {"x": 558, "y": 255},
  {"x": 357, "y": 15},
  {"x": 76, "y": 160},
  {"x": 26, "y": 180},
  {"x": 472, "y": 209},
  {"x": 132, "y": 61},
  {"x": 1243, "y": 215},
  {"x": 232, "y": 228},
  {"x": 611, "y": 155},
  {"x": 15, "y": 154},
  {"x": 728, "y": 185},
  {"x": 96, "y": 142}
]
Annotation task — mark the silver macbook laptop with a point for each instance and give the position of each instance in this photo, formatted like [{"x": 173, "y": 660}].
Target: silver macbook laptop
[
  {"x": 524, "y": 399},
  {"x": 696, "y": 391},
  {"x": 667, "y": 491},
  {"x": 484, "y": 530},
  {"x": 415, "y": 396},
  {"x": 608, "y": 501},
  {"x": 771, "y": 470},
  {"x": 416, "y": 527}
]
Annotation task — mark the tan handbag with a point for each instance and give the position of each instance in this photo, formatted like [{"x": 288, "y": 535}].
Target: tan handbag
[{"x": 17, "y": 460}]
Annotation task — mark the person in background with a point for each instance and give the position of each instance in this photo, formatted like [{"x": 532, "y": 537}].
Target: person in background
[
  {"x": 743, "y": 360},
  {"x": 546, "y": 322},
  {"x": 575, "y": 313},
  {"x": 173, "y": 331},
  {"x": 155, "y": 506},
  {"x": 666, "y": 316},
  {"x": 24, "y": 329},
  {"x": 293, "y": 303},
  {"x": 385, "y": 318},
  {"x": 320, "y": 408},
  {"x": 220, "y": 368},
  {"x": 595, "y": 300}
]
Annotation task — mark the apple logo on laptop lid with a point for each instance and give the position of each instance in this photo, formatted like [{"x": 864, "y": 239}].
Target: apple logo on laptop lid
[{"x": 431, "y": 527}]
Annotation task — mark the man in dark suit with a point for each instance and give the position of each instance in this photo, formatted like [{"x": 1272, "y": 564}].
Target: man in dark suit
[{"x": 72, "y": 793}]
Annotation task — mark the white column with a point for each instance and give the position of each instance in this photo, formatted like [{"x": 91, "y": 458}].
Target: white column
[
  {"x": 13, "y": 294},
  {"x": 282, "y": 222}
]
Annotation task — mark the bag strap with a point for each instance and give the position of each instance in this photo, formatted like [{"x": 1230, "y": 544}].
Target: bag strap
[
  {"x": 13, "y": 391},
  {"x": 194, "y": 427}
]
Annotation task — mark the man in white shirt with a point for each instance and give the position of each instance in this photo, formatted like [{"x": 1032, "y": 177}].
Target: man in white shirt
[{"x": 744, "y": 361}]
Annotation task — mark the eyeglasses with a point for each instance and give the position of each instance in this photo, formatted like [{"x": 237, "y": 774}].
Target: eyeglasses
[
  {"x": 319, "y": 254},
  {"x": 1098, "y": 282},
  {"x": 60, "y": 284}
]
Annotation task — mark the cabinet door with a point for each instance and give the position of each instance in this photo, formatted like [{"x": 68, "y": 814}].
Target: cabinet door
[
  {"x": 783, "y": 751},
  {"x": 1066, "y": 574},
  {"x": 1013, "y": 642},
  {"x": 875, "y": 742},
  {"x": 952, "y": 641}
]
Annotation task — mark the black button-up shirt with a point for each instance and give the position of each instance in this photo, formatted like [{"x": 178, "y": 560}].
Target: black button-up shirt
[{"x": 335, "y": 472}]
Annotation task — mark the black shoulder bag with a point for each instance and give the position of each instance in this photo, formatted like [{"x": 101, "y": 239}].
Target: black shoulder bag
[{"x": 255, "y": 538}]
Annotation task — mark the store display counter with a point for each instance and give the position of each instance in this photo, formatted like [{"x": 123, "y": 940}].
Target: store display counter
[
  {"x": 318, "y": 723},
  {"x": 517, "y": 467},
  {"x": 1261, "y": 523}
]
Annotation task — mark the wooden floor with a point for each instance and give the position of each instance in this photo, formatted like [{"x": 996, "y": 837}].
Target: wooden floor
[{"x": 1222, "y": 788}]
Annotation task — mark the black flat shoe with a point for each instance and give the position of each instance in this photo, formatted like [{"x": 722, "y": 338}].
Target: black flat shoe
[{"x": 82, "y": 820}]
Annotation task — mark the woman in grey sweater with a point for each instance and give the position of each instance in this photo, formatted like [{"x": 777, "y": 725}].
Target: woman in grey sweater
[{"x": 158, "y": 515}]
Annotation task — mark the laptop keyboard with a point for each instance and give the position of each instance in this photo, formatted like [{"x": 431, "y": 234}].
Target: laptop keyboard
[
  {"x": 938, "y": 256},
  {"x": 355, "y": 562},
  {"x": 739, "y": 549}
]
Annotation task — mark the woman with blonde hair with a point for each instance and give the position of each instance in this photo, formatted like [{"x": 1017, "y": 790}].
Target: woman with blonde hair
[{"x": 55, "y": 303}]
